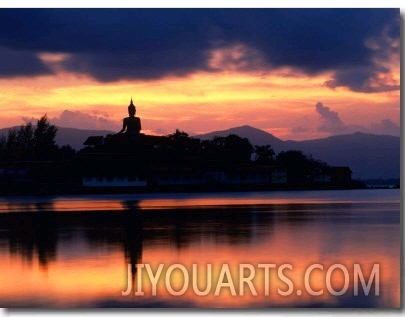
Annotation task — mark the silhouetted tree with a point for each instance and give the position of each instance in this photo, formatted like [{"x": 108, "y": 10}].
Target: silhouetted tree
[
  {"x": 12, "y": 147},
  {"x": 231, "y": 149},
  {"x": 24, "y": 139},
  {"x": 44, "y": 139},
  {"x": 178, "y": 135},
  {"x": 66, "y": 153},
  {"x": 295, "y": 163},
  {"x": 26, "y": 143},
  {"x": 300, "y": 168},
  {"x": 3, "y": 143},
  {"x": 180, "y": 144},
  {"x": 18, "y": 145},
  {"x": 264, "y": 154}
]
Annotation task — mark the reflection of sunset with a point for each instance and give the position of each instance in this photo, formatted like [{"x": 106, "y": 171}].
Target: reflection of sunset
[
  {"x": 95, "y": 280},
  {"x": 99, "y": 273},
  {"x": 146, "y": 202},
  {"x": 84, "y": 279}
]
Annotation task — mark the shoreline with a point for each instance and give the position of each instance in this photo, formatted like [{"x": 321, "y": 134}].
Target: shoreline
[{"x": 181, "y": 190}]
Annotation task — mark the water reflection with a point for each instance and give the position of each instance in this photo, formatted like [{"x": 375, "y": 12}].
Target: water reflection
[
  {"x": 83, "y": 255},
  {"x": 32, "y": 234}
]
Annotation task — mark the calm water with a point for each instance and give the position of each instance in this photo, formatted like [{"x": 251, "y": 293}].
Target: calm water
[{"x": 75, "y": 251}]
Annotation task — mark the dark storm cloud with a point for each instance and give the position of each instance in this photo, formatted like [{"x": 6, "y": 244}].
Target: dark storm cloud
[
  {"x": 364, "y": 79},
  {"x": 368, "y": 77},
  {"x": 20, "y": 63},
  {"x": 111, "y": 44},
  {"x": 106, "y": 66}
]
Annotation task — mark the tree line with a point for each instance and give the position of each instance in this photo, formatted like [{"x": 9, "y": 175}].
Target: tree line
[
  {"x": 33, "y": 143},
  {"x": 234, "y": 150},
  {"x": 36, "y": 143}
]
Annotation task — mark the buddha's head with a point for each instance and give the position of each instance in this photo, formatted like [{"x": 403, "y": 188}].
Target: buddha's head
[{"x": 131, "y": 109}]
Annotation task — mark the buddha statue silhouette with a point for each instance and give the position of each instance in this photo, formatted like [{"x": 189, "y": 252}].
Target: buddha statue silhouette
[{"x": 131, "y": 125}]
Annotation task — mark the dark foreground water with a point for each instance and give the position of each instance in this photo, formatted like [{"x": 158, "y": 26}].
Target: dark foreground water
[{"x": 80, "y": 251}]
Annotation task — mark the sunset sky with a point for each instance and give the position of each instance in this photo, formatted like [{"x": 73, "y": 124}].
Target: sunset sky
[{"x": 296, "y": 73}]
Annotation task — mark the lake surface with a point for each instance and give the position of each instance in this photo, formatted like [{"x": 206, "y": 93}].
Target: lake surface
[{"x": 80, "y": 251}]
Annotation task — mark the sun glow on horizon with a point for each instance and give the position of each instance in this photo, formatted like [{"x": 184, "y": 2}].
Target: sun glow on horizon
[{"x": 201, "y": 102}]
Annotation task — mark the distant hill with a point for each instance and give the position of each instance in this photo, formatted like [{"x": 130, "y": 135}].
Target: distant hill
[
  {"x": 70, "y": 136},
  {"x": 369, "y": 156}
]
